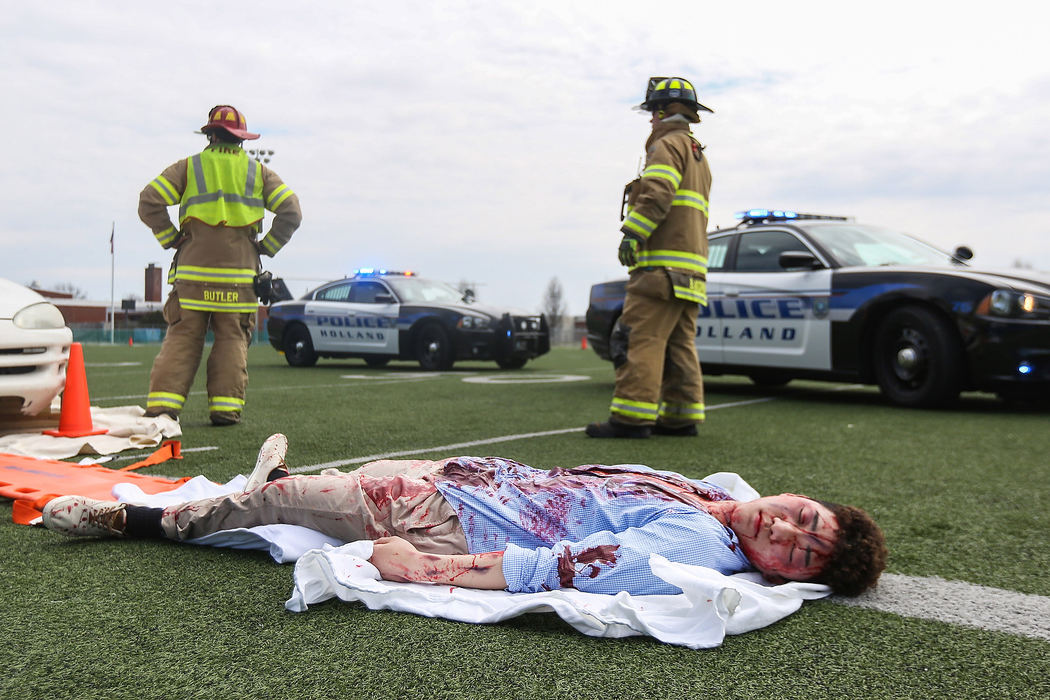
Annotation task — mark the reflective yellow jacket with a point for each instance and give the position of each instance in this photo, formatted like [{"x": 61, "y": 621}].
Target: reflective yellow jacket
[
  {"x": 222, "y": 195},
  {"x": 668, "y": 209}
]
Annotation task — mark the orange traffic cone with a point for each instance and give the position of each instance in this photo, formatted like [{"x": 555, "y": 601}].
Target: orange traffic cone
[
  {"x": 131, "y": 341},
  {"x": 583, "y": 343},
  {"x": 75, "y": 420}
]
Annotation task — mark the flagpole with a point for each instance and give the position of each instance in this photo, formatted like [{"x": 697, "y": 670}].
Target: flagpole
[{"x": 112, "y": 277}]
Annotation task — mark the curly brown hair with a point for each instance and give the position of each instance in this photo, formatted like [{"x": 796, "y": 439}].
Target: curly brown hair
[{"x": 860, "y": 552}]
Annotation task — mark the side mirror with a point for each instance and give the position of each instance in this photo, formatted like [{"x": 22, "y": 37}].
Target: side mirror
[
  {"x": 796, "y": 259},
  {"x": 963, "y": 253},
  {"x": 384, "y": 298},
  {"x": 468, "y": 295}
]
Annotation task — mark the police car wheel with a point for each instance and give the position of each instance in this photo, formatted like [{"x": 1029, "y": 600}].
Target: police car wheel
[
  {"x": 512, "y": 362},
  {"x": 377, "y": 361},
  {"x": 433, "y": 348},
  {"x": 918, "y": 358},
  {"x": 298, "y": 347}
]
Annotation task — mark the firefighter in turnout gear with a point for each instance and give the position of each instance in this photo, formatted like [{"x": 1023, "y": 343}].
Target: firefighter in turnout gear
[
  {"x": 222, "y": 195},
  {"x": 659, "y": 388}
]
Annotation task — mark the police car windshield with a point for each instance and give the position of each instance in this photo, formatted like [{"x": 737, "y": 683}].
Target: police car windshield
[
  {"x": 872, "y": 246},
  {"x": 414, "y": 290}
]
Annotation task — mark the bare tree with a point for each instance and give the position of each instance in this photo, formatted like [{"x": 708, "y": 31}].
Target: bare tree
[
  {"x": 70, "y": 288},
  {"x": 554, "y": 307}
]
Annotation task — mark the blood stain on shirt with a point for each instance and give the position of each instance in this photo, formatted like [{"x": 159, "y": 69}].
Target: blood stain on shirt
[{"x": 569, "y": 564}]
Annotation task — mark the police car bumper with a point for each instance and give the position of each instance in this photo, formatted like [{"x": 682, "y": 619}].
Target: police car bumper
[
  {"x": 1012, "y": 358},
  {"x": 513, "y": 337}
]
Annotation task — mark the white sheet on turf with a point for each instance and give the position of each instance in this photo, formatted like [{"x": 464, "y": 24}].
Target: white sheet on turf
[
  {"x": 128, "y": 428},
  {"x": 711, "y": 606}
]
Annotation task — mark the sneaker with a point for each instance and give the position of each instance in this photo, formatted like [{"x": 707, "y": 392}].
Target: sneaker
[
  {"x": 688, "y": 430},
  {"x": 271, "y": 460},
  {"x": 612, "y": 429},
  {"x": 80, "y": 516}
]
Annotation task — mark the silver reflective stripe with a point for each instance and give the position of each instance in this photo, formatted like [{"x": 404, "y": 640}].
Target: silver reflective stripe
[
  {"x": 214, "y": 196},
  {"x": 250, "y": 184},
  {"x": 198, "y": 174}
]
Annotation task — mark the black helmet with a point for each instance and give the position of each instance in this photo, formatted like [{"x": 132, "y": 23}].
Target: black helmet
[{"x": 663, "y": 90}]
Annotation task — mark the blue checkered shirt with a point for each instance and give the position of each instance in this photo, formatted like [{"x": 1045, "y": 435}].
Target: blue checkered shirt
[{"x": 591, "y": 528}]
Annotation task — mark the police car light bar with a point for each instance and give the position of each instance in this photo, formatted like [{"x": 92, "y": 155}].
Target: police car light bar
[
  {"x": 758, "y": 215},
  {"x": 373, "y": 272}
]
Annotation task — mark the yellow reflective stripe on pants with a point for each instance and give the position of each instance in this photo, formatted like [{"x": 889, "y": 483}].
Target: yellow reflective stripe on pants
[
  {"x": 634, "y": 409},
  {"x": 165, "y": 399},
  {"x": 683, "y": 411},
  {"x": 218, "y": 306},
  {"x": 167, "y": 236},
  {"x": 665, "y": 172},
  {"x": 225, "y": 403},
  {"x": 220, "y": 275}
]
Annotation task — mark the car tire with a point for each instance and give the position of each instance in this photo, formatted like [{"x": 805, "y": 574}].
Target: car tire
[
  {"x": 769, "y": 379},
  {"x": 298, "y": 347},
  {"x": 918, "y": 358},
  {"x": 433, "y": 348},
  {"x": 377, "y": 362},
  {"x": 512, "y": 362}
]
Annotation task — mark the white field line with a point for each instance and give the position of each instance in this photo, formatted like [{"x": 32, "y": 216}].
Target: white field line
[
  {"x": 475, "y": 443},
  {"x": 958, "y": 603}
]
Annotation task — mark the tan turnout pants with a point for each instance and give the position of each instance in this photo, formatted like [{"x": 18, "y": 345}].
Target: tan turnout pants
[
  {"x": 180, "y": 355},
  {"x": 661, "y": 379},
  {"x": 384, "y": 498}
]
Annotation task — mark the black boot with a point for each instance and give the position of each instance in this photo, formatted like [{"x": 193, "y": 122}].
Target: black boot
[
  {"x": 688, "y": 430},
  {"x": 612, "y": 429}
]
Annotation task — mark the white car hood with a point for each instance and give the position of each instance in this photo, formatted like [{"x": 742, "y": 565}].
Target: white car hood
[{"x": 14, "y": 297}]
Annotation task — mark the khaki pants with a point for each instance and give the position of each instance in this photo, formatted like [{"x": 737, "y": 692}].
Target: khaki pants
[
  {"x": 180, "y": 355},
  {"x": 384, "y": 498},
  {"x": 661, "y": 379}
]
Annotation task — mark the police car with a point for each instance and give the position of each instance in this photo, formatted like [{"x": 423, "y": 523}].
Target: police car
[
  {"x": 381, "y": 315},
  {"x": 822, "y": 297}
]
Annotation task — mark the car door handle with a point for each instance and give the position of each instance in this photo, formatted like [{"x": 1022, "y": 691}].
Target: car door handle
[{"x": 731, "y": 292}]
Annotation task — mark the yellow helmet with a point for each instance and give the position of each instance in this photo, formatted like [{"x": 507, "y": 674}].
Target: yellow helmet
[{"x": 661, "y": 91}]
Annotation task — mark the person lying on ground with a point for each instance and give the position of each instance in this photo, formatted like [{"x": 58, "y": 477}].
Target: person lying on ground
[{"x": 492, "y": 523}]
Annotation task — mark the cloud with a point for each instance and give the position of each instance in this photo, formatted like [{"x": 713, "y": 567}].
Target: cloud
[{"x": 490, "y": 141}]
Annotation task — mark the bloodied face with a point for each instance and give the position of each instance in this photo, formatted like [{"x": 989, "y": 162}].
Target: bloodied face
[{"x": 786, "y": 537}]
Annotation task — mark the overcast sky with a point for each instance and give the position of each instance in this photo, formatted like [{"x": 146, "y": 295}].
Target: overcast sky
[{"x": 490, "y": 141}]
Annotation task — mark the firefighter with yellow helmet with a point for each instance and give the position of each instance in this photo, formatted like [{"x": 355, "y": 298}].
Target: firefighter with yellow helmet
[
  {"x": 659, "y": 388},
  {"x": 222, "y": 195}
]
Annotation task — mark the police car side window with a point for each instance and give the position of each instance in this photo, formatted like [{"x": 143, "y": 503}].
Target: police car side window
[
  {"x": 365, "y": 292},
  {"x": 759, "y": 251},
  {"x": 716, "y": 254},
  {"x": 338, "y": 292}
]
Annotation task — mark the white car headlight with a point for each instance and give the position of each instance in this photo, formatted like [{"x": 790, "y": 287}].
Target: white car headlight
[{"x": 42, "y": 315}]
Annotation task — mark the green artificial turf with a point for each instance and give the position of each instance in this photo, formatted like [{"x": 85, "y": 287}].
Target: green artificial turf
[{"x": 961, "y": 494}]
